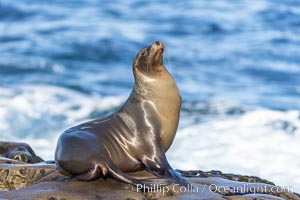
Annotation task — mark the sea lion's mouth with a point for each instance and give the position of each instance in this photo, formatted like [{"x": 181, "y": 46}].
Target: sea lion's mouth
[
  {"x": 159, "y": 52},
  {"x": 161, "y": 49}
]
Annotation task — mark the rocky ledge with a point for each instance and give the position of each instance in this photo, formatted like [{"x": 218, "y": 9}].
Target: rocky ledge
[{"x": 24, "y": 175}]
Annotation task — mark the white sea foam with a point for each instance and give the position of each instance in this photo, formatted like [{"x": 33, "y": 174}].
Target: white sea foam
[
  {"x": 260, "y": 142},
  {"x": 37, "y": 114}
]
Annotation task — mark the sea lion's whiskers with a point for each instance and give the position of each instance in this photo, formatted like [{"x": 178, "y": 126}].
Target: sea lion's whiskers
[
  {"x": 167, "y": 56},
  {"x": 165, "y": 52}
]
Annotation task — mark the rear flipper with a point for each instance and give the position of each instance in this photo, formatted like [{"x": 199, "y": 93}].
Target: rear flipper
[
  {"x": 118, "y": 174},
  {"x": 101, "y": 169},
  {"x": 97, "y": 171}
]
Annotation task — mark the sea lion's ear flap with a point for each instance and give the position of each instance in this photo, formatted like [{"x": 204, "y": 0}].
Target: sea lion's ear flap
[{"x": 135, "y": 64}]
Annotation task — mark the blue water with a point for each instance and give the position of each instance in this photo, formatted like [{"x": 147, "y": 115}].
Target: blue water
[{"x": 237, "y": 64}]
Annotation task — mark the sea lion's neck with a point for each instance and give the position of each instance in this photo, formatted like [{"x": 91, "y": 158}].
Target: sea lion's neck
[{"x": 162, "y": 91}]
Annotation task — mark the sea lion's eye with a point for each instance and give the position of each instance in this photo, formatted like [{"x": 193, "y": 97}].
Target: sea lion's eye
[{"x": 144, "y": 52}]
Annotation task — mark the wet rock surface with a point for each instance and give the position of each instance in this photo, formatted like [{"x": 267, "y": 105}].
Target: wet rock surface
[
  {"x": 24, "y": 175},
  {"x": 233, "y": 177}
]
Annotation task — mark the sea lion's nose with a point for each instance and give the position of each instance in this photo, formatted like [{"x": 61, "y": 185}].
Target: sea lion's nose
[{"x": 159, "y": 44}]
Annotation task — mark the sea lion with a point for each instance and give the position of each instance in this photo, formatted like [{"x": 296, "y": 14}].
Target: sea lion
[
  {"x": 135, "y": 137},
  {"x": 17, "y": 151}
]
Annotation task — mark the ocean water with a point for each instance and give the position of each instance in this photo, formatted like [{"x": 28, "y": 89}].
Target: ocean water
[{"x": 237, "y": 64}]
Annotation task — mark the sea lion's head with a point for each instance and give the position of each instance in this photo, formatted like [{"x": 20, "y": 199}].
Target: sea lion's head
[{"x": 149, "y": 60}]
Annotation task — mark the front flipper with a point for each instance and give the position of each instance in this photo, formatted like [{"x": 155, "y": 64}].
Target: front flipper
[
  {"x": 171, "y": 173},
  {"x": 159, "y": 166}
]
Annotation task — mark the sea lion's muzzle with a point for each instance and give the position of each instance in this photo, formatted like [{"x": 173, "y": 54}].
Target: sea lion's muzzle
[
  {"x": 157, "y": 49},
  {"x": 158, "y": 46}
]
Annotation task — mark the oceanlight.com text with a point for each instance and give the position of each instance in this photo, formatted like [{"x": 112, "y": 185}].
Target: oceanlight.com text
[{"x": 193, "y": 188}]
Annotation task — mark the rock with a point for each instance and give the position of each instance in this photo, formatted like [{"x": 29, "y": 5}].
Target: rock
[
  {"x": 100, "y": 189},
  {"x": 22, "y": 178},
  {"x": 18, "y": 176},
  {"x": 215, "y": 173}
]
